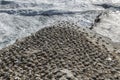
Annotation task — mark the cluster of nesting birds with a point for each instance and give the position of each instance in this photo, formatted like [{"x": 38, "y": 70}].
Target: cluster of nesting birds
[{"x": 63, "y": 51}]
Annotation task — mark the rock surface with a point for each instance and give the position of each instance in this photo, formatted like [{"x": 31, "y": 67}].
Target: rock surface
[{"x": 109, "y": 25}]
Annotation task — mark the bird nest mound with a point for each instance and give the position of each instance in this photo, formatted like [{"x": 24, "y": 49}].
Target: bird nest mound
[{"x": 62, "y": 51}]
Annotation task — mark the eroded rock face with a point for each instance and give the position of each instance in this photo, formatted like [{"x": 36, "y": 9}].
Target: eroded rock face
[
  {"x": 109, "y": 25},
  {"x": 60, "y": 52}
]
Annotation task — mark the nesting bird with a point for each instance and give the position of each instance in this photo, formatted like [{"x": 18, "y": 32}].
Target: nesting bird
[{"x": 63, "y": 51}]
